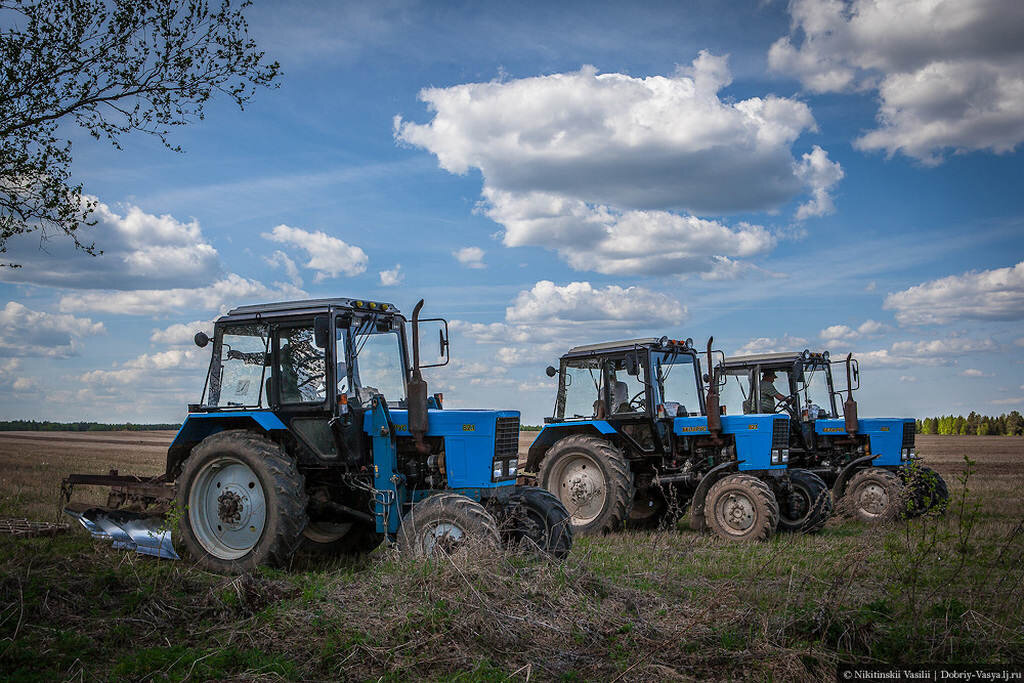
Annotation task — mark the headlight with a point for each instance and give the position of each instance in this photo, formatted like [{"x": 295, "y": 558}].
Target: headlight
[
  {"x": 497, "y": 470},
  {"x": 512, "y": 467},
  {"x": 785, "y": 455}
]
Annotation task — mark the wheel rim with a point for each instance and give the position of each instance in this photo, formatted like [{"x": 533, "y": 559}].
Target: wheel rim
[
  {"x": 873, "y": 499},
  {"x": 579, "y": 484},
  {"x": 326, "y": 532},
  {"x": 441, "y": 535},
  {"x": 735, "y": 512},
  {"x": 227, "y": 508}
]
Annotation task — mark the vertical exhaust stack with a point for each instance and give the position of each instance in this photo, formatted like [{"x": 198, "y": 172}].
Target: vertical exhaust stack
[
  {"x": 419, "y": 421},
  {"x": 849, "y": 406},
  {"x": 712, "y": 404}
]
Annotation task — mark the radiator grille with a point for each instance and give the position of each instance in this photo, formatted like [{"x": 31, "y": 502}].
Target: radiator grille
[
  {"x": 780, "y": 434},
  {"x": 909, "y": 429},
  {"x": 506, "y": 438}
]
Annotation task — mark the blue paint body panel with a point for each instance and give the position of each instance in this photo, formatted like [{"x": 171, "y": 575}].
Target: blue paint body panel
[
  {"x": 468, "y": 442},
  {"x": 753, "y": 434},
  {"x": 198, "y": 426},
  {"x": 553, "y": 432},
  {"x": 885, "y": 436}
]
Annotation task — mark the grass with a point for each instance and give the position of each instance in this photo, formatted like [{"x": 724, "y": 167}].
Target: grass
[{"x": 646, "y": 605}]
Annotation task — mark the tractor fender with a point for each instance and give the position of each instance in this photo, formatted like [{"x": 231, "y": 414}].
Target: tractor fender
[
  {"x": 553, "y": 433},
  {"x": 717, "y": 472},
  {"x": 839, "y": 488},
  {"x": 198, "y": 426}
]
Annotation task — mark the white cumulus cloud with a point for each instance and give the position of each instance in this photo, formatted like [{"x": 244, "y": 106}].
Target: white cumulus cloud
[
  {"x": 996, "y": 294},
  {"x": 603, "y": 161},
  {"x": 949, "y": 73},
  {"x": 139, "y": 249},
  {"x": 390, "y": 278},
  {"x": 24, "y": 332},
  {"x": 328, "y": 256},
  {"x": 772, "y": 345},
  {"x": 471, "y": 257},
  {"x": 580, "y": 302},
  {"x": 234, "y": 290}
]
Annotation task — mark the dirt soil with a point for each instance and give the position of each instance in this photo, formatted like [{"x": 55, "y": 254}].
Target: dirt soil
[{"x": 671, "y": 604}]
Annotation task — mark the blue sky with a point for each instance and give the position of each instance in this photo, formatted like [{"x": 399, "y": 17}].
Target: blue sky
[{"x": 781, "y": 176}]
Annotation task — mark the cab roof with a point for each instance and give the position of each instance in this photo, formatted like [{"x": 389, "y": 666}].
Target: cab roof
[
  {"x": 777, "y": 359},
  {"x": 622, "y": 345},
  {"x": 308, "y": 307}
]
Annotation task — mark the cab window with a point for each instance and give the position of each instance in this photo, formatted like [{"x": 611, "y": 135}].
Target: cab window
[
  {"x": 380, "y": 368},
  {"x": 676, "y": 378},
  {"x": 301, "y": 366}
]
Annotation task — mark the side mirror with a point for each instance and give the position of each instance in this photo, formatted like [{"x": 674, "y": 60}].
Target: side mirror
[
  {"x": 321, "y": 331},
  {"x": 707, "y": 378},
  {"x": 550, "y": 371},
  {"x": 443, "y": 347},
  {"x": 632, "y": 365},
  {"x": 201, "y": 339}
]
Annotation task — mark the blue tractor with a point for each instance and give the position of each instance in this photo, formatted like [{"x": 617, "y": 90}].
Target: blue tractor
[
  {"x": 316, "y": 433},
  {"x": 869, "y": 463},
  {"x": 634, "y": 440}
]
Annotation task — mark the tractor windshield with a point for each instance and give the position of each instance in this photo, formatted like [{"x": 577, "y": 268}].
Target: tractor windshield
[
  {"x": 677, "y": 383},
  {"x": 239, "y": 366},
  {"x": 816, "y": 391},
  {"x": 579, "y": 393},
  {"x": 379, "y": 367}
]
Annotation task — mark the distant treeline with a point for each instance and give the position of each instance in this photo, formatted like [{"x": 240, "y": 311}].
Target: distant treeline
[
  {"x": 47, "y": 426},
  {"x": 530, "y": 428},
  {"x": 1011, "y": 424}
]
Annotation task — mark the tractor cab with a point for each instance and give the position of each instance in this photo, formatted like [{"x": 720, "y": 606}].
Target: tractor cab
[{"x": 633, "y": 381}]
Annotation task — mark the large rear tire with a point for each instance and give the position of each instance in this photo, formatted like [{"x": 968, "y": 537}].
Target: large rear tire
[
  {"x": 444, "y": 523},
  {"x": 243, "y": 503},
  {"x": 536, "y": 520},
  {"x": 592, "y": 479},
  {"x": 876, "y": 496},
  {"x": 740, "y": 507},
  {"x": 808, "y": 506}
]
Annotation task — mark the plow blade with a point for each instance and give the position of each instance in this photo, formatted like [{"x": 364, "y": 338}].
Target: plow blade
[{"x": 128, "y": 530}]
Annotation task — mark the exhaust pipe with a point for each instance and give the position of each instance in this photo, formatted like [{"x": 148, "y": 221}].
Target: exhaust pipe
[
  {"x": 849, "y": 405},
  {"x": 419, "y": 420},
  {"x": 712, "y": 404}
]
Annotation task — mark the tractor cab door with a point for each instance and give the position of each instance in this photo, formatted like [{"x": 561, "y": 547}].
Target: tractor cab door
[{"x": 299, "y": 386}]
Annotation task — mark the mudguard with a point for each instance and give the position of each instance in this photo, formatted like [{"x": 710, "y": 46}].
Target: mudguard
[
  {"x": 552, "y": 433},
  {"x": 717, "y": 472}
]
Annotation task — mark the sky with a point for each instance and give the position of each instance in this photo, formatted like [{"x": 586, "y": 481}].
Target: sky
[{"x": 819, "y": 174}]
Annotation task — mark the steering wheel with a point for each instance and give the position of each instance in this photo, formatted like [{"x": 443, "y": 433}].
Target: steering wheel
[
  {"x": 638, "y": 400},
  {"x": 785, "y": 404}
]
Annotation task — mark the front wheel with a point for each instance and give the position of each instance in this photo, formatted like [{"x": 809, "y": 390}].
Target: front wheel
[
  {"x": 244, "y": 503},
  {"x": 592, "y": 479},
  {"x": 534, "y": 518},
  {"x": 808, "y": 505},
  {"x": 740, "y": 507},
  {"x": 444, "y": 523},
  {"x": 875, "y": 496}
]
